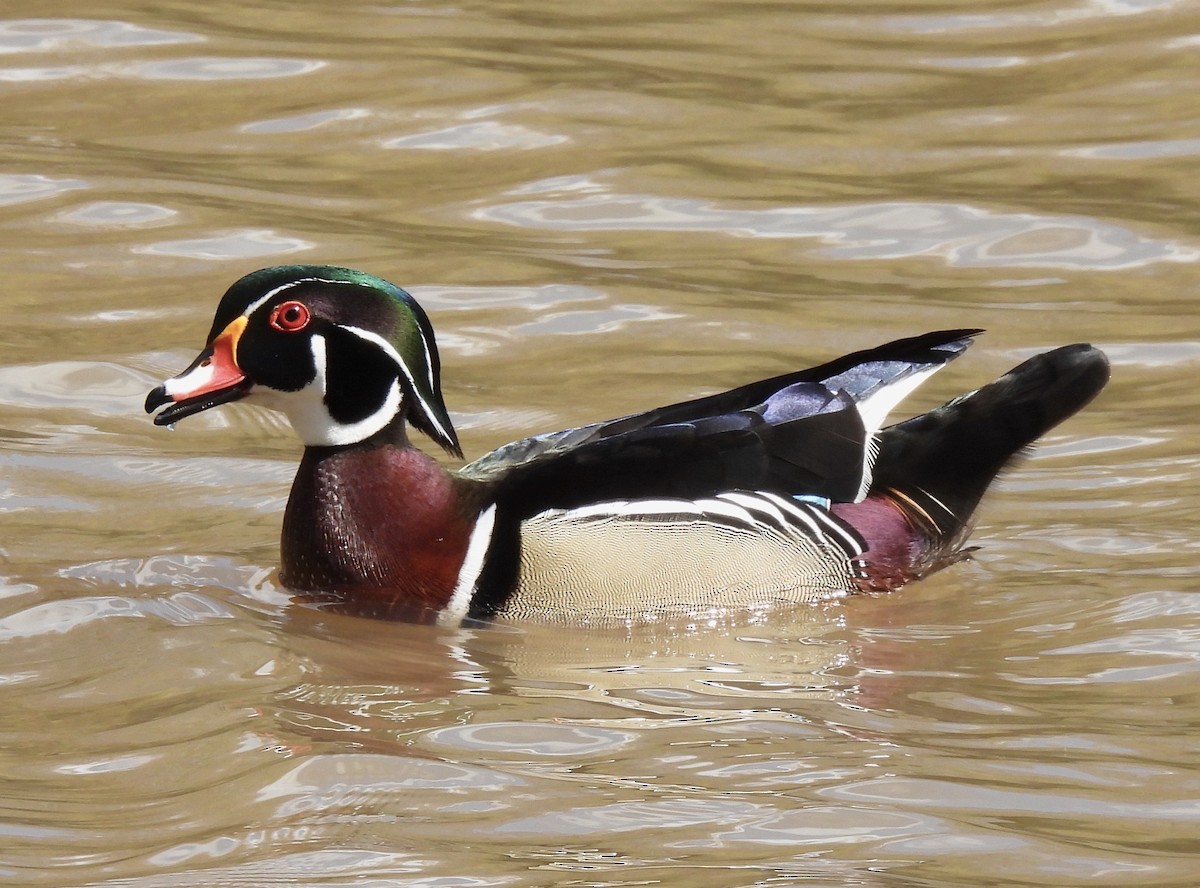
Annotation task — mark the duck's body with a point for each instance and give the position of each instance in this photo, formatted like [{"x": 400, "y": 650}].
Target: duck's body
[{"x": 783, "y": 490}]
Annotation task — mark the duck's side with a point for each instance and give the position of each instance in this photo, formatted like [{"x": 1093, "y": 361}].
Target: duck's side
[
  {"x": 765, "y": 544},
  {"x": 720, "y": 502}
]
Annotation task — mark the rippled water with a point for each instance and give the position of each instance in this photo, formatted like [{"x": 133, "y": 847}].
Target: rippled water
[{"x": 603, "y": 207}]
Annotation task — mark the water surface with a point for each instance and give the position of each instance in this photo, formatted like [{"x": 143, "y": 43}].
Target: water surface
[{"x": 604, "y": 208}]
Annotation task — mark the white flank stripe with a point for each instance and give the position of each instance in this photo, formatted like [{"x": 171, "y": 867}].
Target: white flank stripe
[
  {"x": 761, "y": 502},
  {"x": 816, "y": 521},
  {"x": 801, "y": 515},
  {"x": 468, "y": 575},
  {"x": 627, "y": 508},
  {"x": 754, "y": 510},
  {"x": 839, "y": 534},
  {"x": 797, "y": 511},
  {"x": 712, "y": 509},
  {"x": 731, "y": 511}
]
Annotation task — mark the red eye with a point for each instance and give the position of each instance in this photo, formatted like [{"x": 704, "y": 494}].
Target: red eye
[{"x": 290, "y": 316}]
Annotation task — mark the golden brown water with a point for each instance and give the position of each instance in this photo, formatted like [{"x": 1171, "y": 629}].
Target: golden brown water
[{"x": 604, "y": 207}]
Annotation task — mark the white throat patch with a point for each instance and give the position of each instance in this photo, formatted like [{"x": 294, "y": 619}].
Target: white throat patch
[{"x": 309, "y": 415}]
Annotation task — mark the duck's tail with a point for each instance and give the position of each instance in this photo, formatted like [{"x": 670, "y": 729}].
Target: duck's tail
[{"x": 932, "y": 470}]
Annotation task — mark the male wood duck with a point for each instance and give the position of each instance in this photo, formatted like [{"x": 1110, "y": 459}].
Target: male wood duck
[{"x": 782, "y": 491}]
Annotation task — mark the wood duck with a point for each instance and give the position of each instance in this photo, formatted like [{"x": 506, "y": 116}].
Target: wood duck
[{"x": 785, "y": 490}]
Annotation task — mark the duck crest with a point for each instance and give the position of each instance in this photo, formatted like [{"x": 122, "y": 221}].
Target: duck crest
[{"x": 380, "y": 527}]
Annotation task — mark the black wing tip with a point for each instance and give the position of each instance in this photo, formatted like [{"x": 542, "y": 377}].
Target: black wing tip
[
  {"x": 947, "y": 343},
  {"x": 937, "y": 347}
]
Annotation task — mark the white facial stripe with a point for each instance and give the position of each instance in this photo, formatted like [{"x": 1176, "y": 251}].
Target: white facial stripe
[
  {"x": 307, "y": 410},
  {"x": 271, "y": 294},
  {"x": 468, "y": 575},
  {"x": 429, "y": 410}
]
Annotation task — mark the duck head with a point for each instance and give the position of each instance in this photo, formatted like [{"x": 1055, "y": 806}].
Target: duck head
[{"x": 343, "y": 354}]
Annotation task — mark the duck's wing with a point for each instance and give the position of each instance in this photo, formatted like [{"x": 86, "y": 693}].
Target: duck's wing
[{"x": 810, "y": 432}]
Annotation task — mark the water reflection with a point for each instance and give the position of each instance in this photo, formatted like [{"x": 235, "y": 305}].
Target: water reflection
[
  {"x": 90, "y": 387},
  {"x": 823, "y": 826},
  {"x": 21, "y": 187},
  {"x": 1145, "y": 150},
  {"x": 244, "y": 244},
  {"x": 221, "y": 68},
  {"x": 961, "y": 235},
  {"x": 59, "y": 617},
  {"x": 612, "y": 819},
  {"x": 303, "y": 122},
  {"x": 488, "y": 135},
  {"x": 44, "y": 35},
  {"x": 118, "y": 214},
  {"x": 538, "y": 298},
  {"x": 1082, "y": 10},
  {"x": 548, "y": 305},
  {"x": 187, "y": 572},
  {"x": 55, "y": 35},
  {"x": 539, "y": 740}
]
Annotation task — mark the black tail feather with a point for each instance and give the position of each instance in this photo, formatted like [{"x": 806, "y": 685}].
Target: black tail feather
[{"x": 938, "y": 466}]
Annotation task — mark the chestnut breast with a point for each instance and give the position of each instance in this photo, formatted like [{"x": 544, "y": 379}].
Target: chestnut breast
[{"x": 384, "y": 523}]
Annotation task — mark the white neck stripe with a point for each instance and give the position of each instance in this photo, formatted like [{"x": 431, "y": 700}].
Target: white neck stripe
[{"x": 382, "y": 343}]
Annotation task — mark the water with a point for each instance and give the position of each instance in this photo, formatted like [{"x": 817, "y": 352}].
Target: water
[{"x": 604, "y": 208}]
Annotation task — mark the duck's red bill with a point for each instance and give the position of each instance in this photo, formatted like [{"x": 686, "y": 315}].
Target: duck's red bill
[
  {"x": 213, "y": 378},
  {"x": 196, "y": 404}
]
